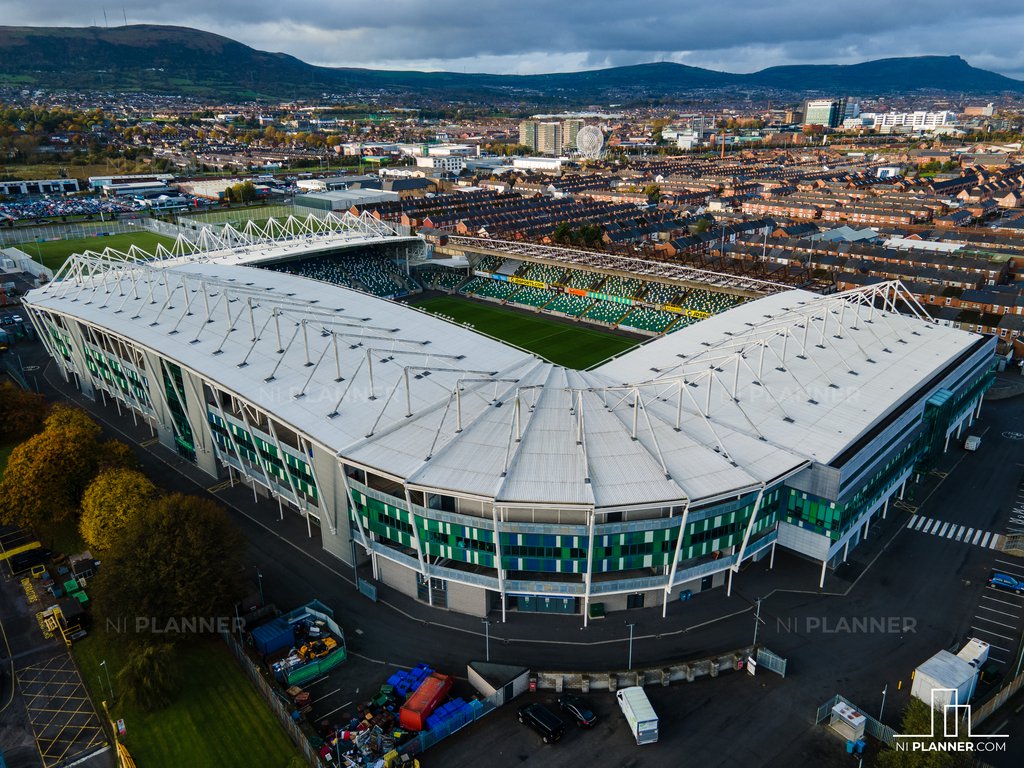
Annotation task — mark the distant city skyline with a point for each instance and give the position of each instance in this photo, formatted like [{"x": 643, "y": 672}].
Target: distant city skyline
[{"x": 531, "y": 36}]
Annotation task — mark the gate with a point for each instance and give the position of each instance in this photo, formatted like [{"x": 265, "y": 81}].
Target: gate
[
  {"x": 769, "y": 660},
  {"x": 368, "y": 589}
]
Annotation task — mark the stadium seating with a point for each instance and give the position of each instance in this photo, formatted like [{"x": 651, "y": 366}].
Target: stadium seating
[
  {"x": 474, "y": 285},
  {"x": 376, "y": 276},
  {"x": 569, "y": 303},
  {"x": 496, "y": 289},
  {"x": 489, "y": 263},
  {"x": 441, "y": 278},
  {"x": 711, "y": 302},
  {"x": 545, "y": 273},
  {"x": 532, "y": 297},
  {"x": 606, "y": 311},
  {"x": 626, "y": 287},
  {"x": 648, "y": 319},
  {"x": 582, "y": 280},
  {"x": 661, "y": 293}
]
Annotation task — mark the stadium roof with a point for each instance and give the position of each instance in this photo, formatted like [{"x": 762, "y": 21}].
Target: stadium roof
[{"x": 711, "y": 411}]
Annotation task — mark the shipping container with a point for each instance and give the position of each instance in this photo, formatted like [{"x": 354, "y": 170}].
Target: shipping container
[{"x": 430, "y": 693}]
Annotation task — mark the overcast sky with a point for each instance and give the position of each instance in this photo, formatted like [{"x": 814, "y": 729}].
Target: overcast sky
[{"x": 529, "y": 36}]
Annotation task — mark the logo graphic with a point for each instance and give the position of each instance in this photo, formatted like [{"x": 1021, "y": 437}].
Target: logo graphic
[{"x": 952, "y": 716}]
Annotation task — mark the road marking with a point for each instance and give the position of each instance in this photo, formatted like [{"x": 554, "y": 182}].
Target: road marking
[
  {"x": 912, "y": 520},
  {"x": 1001, "y": 613},
  {"x": 325, "y": 716},
  {"x": 1004, "y": 592},
  {"x": 988, "y": 597},
  {"x": 997, "y": 542},
  {"x": 1015, "y": 564},
  {"x": 984, "y": 541},
  {"x": 326, "y": 695},
  {"x": 977, "y": 536},
  {"x": 930, "y": 523},
  {"x": 945, "y": 527},
  {"x": 960, "y": 532},
  {"x": 990, "y": 632},
  {"x": 993, "y": 621}
]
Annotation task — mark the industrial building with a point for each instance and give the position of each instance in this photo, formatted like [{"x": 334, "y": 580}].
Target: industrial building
[{"x": 476, "y": 476}]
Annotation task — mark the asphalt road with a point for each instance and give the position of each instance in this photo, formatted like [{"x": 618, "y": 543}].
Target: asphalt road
[{"x": 904, "y": 595}]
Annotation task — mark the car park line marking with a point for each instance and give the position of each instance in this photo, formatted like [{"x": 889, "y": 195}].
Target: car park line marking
[
  {"x": 912, "y": 520},
  {"x": 1012, "y": 573},
  {"x": 999, "y": 647},
  {"x": 990, "y": 632},
  {"x": 1005, "y": 593},
  {"x": 325, "y": 696},
  {"x": 996, "y": 600},
  {"x": 977, "y": 536},
  {"x": 1014, "y": 564},
  {"x": 348, "y": 704},
  {"x": 995, "y": 610},
  {"x": 993, "y": 621},
  {"x": 984, "y": 541}
]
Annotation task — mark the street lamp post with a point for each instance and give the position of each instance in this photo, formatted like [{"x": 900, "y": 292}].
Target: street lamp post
[
  {"x": 106, "y": 671},
  {"x": 629, "y": 663},
  {"x": 487, "y": 639},
  {"x": 259, "y": 575}
]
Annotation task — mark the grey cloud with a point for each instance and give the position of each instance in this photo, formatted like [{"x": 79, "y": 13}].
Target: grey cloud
[{"x": 538, "y": 35}]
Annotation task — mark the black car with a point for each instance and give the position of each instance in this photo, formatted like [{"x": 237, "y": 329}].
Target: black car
[
  {"x": 579, "y": 709},
  {"x": 545, "y": 722}
]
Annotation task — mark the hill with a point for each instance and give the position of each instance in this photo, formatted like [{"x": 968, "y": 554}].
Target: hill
[{"x": 181, "y": 60}]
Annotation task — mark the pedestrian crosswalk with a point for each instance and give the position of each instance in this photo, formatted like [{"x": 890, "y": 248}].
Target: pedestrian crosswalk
[{"x": 956, "y": 532}]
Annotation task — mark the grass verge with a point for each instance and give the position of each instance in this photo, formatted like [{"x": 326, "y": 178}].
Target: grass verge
[
  {"x": 568, "y": 344},
  {"x": 216, "y": 719}
]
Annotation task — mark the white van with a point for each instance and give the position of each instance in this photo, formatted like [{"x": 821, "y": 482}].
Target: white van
[{"x": 640, "y": 715}]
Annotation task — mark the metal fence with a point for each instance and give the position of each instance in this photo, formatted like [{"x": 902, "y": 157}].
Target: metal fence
[
  {"x": 71, "y": 231},
  {"x": 242, "y": 215},
  {"x": 771, "y": 661},
  {"x": 981, "y": 713},
  {"x": 427, "y": 739},
  {"x": 872, "y": 727},
  {"x": 274, "y": 702}
]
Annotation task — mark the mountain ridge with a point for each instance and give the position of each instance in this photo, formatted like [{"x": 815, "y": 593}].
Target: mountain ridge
[{"x": 182, "y": 60}]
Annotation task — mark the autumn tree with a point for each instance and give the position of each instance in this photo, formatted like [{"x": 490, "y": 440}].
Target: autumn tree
[
  {"x": 180, "y": 557},
  {"x": 21, "y": 412},
  {"x": 47, "y": 474},
  {"x": 112, "y": 500},
  {"x": 918, "y": 718}
]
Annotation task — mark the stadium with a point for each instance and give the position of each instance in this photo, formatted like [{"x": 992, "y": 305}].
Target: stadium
[{"x": 475, "y": 475}]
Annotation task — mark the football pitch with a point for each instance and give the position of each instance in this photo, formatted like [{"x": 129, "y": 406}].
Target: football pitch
[
  {"x": 571, "y": 345},
  {"x": 53, "y": 253}
]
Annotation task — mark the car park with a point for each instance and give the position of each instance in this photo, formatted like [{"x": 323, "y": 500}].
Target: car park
[
  {"x": 545, "y": 722},
  {"x": 1005, "y": 581},
  {"x": 579, "y": 709}
]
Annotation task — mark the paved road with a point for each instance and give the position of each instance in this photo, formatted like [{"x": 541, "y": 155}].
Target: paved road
[{"x": 904, "y": 595}]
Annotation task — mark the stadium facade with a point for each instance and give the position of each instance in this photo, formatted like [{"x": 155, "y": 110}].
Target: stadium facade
[{"x": 476, "y": 476}]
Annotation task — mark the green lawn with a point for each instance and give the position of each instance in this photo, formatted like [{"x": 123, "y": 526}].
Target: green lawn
[
  {"x": 217, "y": 718},
  {"x": 571, "y": 345},
  {"x": 53, "y": 253}
]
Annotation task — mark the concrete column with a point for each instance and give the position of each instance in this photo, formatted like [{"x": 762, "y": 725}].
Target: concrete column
[
  {"x": 771, "y": 561},
  {"x": 885, "y": 507},
  {"x": 903, "y": 488},
  {"x": 945, "y": 447},
  {"x": 867, "y": 526},
  {"x": 821, "y": 582},
  {"x": 728, "y": 588},
  {"x": 846, "y": 549}
]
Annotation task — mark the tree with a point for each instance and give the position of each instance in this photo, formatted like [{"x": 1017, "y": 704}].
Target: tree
[
  {"x": 179, "y": 559},
  {"x": 151, "y": 678},
  {"x": 653, "y": 192},
  {"x": 112, "y": 500},
  {"x": 21, "y": 412},
  {"x": 47, "y": 474},
  {"x": 917, "y": 718}
]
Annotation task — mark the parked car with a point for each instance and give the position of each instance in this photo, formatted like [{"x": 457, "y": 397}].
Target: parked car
[
  {"x": 545, "y": 722},
  {"x": 1005, "y": 581},
  {"x": 579, "y": 709}
]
